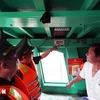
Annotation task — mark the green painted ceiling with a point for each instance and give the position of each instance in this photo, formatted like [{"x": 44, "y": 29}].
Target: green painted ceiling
[{"x": 70, "y": 19}]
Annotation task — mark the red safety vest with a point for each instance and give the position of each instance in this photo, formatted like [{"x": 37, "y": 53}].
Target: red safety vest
[
  {"x": 13, "y": 93},
  {"x": 29, "y": 84}
]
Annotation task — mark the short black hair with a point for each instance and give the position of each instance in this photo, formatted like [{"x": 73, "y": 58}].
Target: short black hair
[
  {"x": 97, "y": 48},
  {"x": 21, "y": 55},
  {"x": 10, "y": 55}
]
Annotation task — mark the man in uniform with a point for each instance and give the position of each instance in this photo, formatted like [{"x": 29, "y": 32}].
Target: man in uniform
[{"x": 27, "y": 67}]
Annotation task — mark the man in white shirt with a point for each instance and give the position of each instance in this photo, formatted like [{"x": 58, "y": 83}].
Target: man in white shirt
[{"x": 91, "y": 73}]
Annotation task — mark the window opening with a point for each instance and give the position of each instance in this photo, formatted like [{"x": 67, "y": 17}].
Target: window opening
[{"x": 54, "y": 68}]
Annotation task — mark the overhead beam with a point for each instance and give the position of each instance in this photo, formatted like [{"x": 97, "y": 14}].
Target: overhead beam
[
  {"x": 39, "y": 5},
  {"x": 88, "y": 4},
  {"x": 37, "y": 14},
  {"x": 84, "y": 32},
  {"x": 90, "y": 26},
  {"x": 10, "y": 32},
  {"x": 29, "y": 33},
  {"x": 93, "y": 24},
  {"x": 47, "y": 29},
  {"x": 50, "y": 42},
  {"x": 98, "y": 35},
  {"x": 58, "y": 18},
  {"x": 71, "y": 32}
]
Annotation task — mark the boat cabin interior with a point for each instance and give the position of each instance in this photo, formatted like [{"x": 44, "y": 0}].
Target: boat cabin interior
[{"x": 72, "y": 24}]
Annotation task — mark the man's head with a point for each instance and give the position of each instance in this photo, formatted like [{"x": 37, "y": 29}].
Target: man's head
[
  {"x": 93, "y": 55},
  {"x": 8, "y": 61},
  {"x": 24, "y": 52},
  {"x": 8, "y": 65}
]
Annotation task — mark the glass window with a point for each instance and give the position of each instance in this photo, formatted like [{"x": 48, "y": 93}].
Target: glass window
[{"x": 54, "y": 68}]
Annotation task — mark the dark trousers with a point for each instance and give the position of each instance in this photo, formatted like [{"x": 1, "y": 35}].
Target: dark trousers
[{"x": 84, "y": 98}]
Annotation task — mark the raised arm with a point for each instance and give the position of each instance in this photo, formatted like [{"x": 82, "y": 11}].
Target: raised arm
[{"x": 45, "y": 54}]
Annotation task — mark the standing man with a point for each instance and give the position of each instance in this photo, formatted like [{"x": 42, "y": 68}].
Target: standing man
[
  {"x": 91, "y": 73},
  {"x": 27, "y": 69}
]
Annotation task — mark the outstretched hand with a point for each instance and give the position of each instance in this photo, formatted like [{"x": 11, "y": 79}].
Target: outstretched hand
[
  {"x": 69, "y": 85},
  {"x": 54, "y": 48}
]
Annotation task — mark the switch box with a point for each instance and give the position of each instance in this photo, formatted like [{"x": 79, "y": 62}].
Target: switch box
[{"x": 59, "y": 42}]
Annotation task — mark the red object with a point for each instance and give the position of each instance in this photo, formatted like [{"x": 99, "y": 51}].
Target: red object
[{"x": 74, "y": 66}]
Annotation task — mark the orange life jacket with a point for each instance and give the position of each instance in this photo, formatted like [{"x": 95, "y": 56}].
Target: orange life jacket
[
  {"x": 29, "y": 84},
  {"x": 13, "y": 92},
  {"x": 32, "y": 63}
]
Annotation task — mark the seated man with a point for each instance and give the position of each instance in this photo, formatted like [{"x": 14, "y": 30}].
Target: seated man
[{"x": 8, "y": 65}]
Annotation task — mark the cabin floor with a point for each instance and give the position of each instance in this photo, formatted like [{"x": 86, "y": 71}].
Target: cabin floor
[{"x": 45, "y": 96}]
